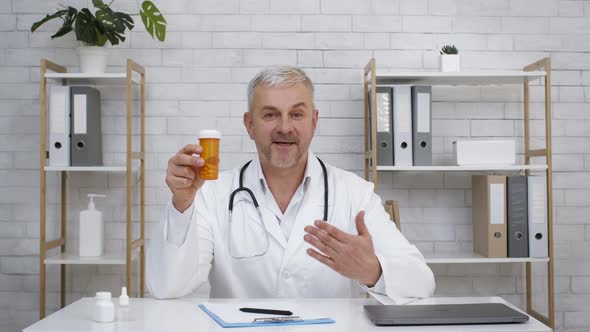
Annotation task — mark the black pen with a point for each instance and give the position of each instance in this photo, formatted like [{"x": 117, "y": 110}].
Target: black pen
[{"x": 267, "y": 311}]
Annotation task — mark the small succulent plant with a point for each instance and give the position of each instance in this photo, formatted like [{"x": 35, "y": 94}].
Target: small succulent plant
[{"x": 449, "y": 49}]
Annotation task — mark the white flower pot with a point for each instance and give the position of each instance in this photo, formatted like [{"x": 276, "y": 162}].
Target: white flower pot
[
  {"x": 450, "y": 62},
  {"x": 93, "y": 59}
]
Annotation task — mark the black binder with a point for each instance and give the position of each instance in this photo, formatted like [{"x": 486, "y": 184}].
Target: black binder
[
  {"x": 517, "y": 205},
  {"x": 86, "y": 139},
  {"x": 384, "y": 126}
]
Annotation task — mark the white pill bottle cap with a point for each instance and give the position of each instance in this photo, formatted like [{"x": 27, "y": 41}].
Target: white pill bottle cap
[{"x": 210, "y": 133}]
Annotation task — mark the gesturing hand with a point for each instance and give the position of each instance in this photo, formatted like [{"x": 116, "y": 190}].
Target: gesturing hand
[{"x": 351, "y": 255}]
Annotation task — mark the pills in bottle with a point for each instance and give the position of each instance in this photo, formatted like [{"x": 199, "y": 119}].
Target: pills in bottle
[
  {"x": 209, "y": 141},
  {"x": 104, "y": 309}
]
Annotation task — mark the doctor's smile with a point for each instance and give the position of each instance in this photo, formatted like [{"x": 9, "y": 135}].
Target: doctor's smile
[{"x": 285, "y": 224}]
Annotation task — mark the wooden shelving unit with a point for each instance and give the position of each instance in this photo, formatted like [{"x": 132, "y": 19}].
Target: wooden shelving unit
[
  {"x": 135, "y": 163},
  {"x": 538, "y": 70}
]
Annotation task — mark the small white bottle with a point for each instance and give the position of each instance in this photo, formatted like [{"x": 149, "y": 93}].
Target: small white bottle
[
  {"x": 91, "y": 230},
  {"x": 124, "y": 298},
  {"x": 123, "y": 312},
  {"x": 104, "y": 309}
]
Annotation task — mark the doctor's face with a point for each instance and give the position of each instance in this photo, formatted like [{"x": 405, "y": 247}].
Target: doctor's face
[{"x": 282, "y": 121}]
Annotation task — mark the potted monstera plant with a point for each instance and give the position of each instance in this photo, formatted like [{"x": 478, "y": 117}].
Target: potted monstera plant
[
  {"x": 450, "y": 60},
  {"x": 94, "y": 31}
]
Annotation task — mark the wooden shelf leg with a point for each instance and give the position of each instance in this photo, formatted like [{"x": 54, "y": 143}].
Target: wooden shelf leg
[
  {"x": 546, "y": 65},
  {"x": 142, "y": 191},
  {"x": 42, "y": 188},
  {"x": 128, "y": 248},
  {"x": 370, "y": 123},
  {"x": 64, "y": 211}
]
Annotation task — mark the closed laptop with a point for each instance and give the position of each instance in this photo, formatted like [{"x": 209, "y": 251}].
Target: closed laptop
[{"x": 444, "y": 314}]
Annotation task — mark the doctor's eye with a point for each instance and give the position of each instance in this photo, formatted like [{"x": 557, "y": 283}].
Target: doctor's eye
[
  {"x": 269, "y": 115},
  {"x": 297, "y": 115}
]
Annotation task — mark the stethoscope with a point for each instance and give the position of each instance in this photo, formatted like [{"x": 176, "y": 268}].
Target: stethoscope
[{"x": 241, "y": 188}]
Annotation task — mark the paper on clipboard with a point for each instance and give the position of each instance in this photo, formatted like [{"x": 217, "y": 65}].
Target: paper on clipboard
[{"x": 229, "y": 314}]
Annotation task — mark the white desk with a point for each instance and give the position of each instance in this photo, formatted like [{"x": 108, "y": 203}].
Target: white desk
[{"x": 184, "y": 315}]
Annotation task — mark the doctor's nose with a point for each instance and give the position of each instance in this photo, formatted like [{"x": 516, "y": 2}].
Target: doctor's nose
[{"x": 285, "y": 125}]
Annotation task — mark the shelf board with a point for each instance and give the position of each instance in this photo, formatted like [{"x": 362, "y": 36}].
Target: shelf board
[
  {"x": 114, "y": 169},
  {"x": 97, "y": 78},
  {"x": 106, "y": 259},
  {"x": 86, "y": 168},
  {"x": 476, "y": 258},
  {"x": 86, "y": 75},
  {"x": 488, "y": 77},
  {"x": 463, "y": 168}
]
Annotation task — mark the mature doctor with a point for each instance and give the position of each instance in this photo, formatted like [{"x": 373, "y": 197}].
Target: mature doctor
[{"x": 318, "y": 231}]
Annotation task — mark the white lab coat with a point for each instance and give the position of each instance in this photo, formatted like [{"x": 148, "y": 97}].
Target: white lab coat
[{"x": 179, "y": 263}]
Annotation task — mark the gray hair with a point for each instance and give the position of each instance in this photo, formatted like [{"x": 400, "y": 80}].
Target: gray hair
[{"x": 275, "y": 76}]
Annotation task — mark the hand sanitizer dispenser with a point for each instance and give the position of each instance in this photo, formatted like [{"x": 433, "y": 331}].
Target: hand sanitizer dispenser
[{"x": 91, "y": 230}]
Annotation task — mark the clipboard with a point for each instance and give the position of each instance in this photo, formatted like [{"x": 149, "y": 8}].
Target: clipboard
[{"x": 280, "y": 321}]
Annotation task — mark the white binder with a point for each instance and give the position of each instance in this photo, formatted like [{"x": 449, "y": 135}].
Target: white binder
[
  {"x": 422, "y": 122},
  {"x": 537, "y": 209},
  {"x": 59, "y": 126},
  {"x": 402, "y": 125}
]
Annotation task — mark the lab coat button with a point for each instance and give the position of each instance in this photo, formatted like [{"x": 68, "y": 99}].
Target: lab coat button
[{"x": 286, "y": 275}]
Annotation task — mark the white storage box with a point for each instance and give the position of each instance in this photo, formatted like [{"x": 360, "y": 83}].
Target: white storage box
[{"x": 485, "y": 152}]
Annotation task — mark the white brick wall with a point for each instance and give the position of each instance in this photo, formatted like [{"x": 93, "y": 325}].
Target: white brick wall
[
  {"x": 197, "y": 79},
  {"x": 309, "y": 58},
  {"x": 326, "y": 23}
]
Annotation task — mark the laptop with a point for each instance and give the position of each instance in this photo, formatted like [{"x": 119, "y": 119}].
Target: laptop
[{"x": 444, "y": 314}]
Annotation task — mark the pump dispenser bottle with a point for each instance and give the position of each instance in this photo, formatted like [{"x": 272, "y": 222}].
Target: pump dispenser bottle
[{"x": 91, "y": 230}]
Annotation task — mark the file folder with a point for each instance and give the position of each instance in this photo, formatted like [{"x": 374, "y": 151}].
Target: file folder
[
  {"x": 537, "y": 209},
  {"x": 86, "y": 147},
  {"x": 518, "y": 238},
  {"x": 59, "y": 126},
  {"x": 384, "y": 126},
  {"x": 402, "y": 125},
  {"x": 421, "y": 125},
  {"x": 488, "y": 194},
  {"x": 227, "y": 316}
]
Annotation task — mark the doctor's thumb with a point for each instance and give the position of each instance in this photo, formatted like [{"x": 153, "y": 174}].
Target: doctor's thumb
[{"x": 360, "y": 223}]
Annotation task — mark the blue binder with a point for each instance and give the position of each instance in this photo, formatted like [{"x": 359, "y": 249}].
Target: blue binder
[{"x": 224, "y": 324}]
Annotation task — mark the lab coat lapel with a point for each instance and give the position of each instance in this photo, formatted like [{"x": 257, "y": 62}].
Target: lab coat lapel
[{"x": 273, "y": 228}]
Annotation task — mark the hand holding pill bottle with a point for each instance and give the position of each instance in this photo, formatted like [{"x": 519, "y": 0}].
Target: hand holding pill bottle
[{"x": 190, "y": 166}]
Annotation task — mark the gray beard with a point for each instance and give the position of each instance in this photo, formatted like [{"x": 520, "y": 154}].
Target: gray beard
[{"x": 267, "y": 153}]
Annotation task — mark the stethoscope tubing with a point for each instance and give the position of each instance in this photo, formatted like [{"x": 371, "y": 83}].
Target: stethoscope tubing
[{"x": 246, "y": 189}]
